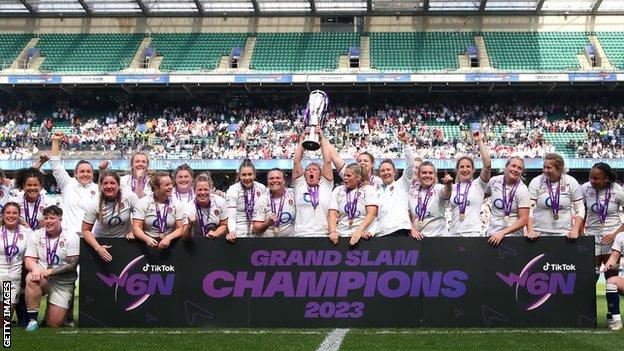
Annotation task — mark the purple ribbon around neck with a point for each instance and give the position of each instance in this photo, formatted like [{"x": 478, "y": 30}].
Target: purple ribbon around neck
[
  {"x": 277, "y": 211},
  {"x": 161, "y": 219},
  {"x": 603, "y": 209},
  {"x": 133, "y": 183},
  {"x": 32, "y": 220},
  {"x": 464, "y": 203},
  {"x": 250, "y": 200},
  {"x": 351, "y": 207},
  {"x": 306, "y": 112},
  {"x": 200, "y": 217},
  {"x": 554, "y": 196},
  {"x": 424, "y": 203},
  {"x": 314, "y": 195},
  {"x": 508, "y": 200},
  {"x": 9, "y": 251},
  {"x": 179, "y": 196},
  {"x": 51, "y": 252}
]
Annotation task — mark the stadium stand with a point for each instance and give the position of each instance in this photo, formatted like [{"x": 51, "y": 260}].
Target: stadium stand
[
  {"x": 297, "y": 52},
  {"x": 88, "y": 52},
  {"x": 195, "y": 51},
  {"x": 10, "y": 47},
  {"x": 425, "y": 51},
  {"x": 535, "y": 51},
  {"x": 613, "y": 45}
]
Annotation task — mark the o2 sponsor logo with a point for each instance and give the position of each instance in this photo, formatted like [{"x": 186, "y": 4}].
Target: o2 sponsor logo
[
  {"x": 537, "y": 282},
  {"x": 139, "y": 282}
]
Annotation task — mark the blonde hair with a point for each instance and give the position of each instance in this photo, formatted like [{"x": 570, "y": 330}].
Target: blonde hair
[
  {"x": 360, "y": 171},
  {"x": 203, "y": 177},
  {"x": 559, "y": 162},
  {"x": 154, "y": 181}
]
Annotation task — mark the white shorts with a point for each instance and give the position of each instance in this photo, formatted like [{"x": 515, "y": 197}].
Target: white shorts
[
  {"x": 468, "y": 235},
  {"x": 59, "y": 293}
]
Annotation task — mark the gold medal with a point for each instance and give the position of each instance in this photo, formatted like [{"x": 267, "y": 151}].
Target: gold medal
[
  {"x": 162, "y": 236},
  {"x": 462, "y": 216},
  {"x": 275, "y": 230},
  {"x": 421, "y": 223},
  {"x": 507, "y": 218},
  {"x": 350, "y": 222},
  {"x": 556, "y": 217}
]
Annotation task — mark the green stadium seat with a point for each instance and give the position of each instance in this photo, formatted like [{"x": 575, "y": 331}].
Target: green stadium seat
[
  {"x": 10, "y": 47},
  {"x": 613, "y": 45}
]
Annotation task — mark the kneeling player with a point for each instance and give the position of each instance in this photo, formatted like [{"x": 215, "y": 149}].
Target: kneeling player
[{"x": 51, "y": 260}]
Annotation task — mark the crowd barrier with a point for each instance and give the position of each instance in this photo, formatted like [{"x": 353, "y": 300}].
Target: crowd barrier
[{"x": 308, "y": 282}]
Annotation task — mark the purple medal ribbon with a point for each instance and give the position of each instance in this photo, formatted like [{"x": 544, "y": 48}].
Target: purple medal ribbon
[
  {"x": 351, "y": 207},
  {"x": 32, "y": 221},
  {"x": 51, "y": 252},
  {"x": 603, "y": 209},
  {"x": 508, "y": 200},
  {"x": 423, "y": 203},
  {"x": 200, "y": 217},
  {"x": 134, "y": 183},
  {"x": 190, "y": 195},
  {"x": 371, "y": 180},
  {"x": 8, "y": 250},
  {"x": 554, "y": 196},
  {"x": 249, "y": 201},
  {"x": 314, "y": 195},
  {"x": 464, "y": 203},
  {"x": 280, "y": 209},
  {"x": 161, "y": 220}
]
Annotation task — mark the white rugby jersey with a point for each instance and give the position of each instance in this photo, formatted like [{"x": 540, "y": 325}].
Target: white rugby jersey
[
  {"x": 521, "y": 199},
  {"x": 310, "y": 221},
  {"x": 237, "y": 217},
  {"x": 542, "y": 215}
]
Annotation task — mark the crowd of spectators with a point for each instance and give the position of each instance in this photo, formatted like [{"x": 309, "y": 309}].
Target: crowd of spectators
[{"x": 216, "y": 132}]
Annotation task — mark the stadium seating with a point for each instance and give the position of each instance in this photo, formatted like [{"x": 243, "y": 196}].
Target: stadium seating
[
  {"x": 88, "y": 52},
  {"x": 297, "y": 52},
  {"x": 10, "y": 47},
  {"x": 560, "y": 141},
  {"x": 535, "y": 51},
  {"x": 195, "y": 51},
  {"x": 613, "y": 45},
  {"x": 426, "y": 51}
]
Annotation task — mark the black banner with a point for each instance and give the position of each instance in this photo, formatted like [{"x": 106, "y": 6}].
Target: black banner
[{"x": 299, "y": 282}]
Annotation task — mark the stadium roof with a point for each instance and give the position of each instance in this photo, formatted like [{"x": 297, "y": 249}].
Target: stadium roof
[{"x": 106, "y": 8}]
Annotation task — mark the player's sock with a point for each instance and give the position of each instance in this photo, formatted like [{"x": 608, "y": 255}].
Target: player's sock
[
  {"x": 32, "y": 314},
  {"x": 613, "y": 299}
]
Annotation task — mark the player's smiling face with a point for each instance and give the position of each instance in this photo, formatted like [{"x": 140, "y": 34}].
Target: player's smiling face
[
  {"x": 247, "y": 176},
  {"x": 598, "y": 179},
  {"x": 164, "y": 188},
  {"x": 139, "y": 162},
  {"x": 312, "y": 174},
  {"x": 84, "y": 173},
  {"x": 387, "y": 172},
  {"x": 365, "y": 161},
  {"x": 110, "y": 187},
  {"x": 276, "y": 181},
  {"x": 426, "y": 174},
  {"x": 32, "y": 187},
  {"x": 465, "y": 170},
  {"x": 10, "y": 216},
  {"x": 52, "y": 223},
  {"x": 514, "y": 170},
  {"x": 351, "y": 179},
  {"x": 202, "y": 192},
  {"x": 550, "y": 170},
  {"x": 183, "y": 180}
]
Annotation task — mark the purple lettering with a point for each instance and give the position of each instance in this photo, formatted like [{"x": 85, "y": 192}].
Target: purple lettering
[
  {"x": 241, "y": 284},
  {"x": 156, "y": 282},
  {"x": 353, "y": 258},
  {"x": 371, "y": 284},
  {"x": 455, "y": 286},
  {"x": 136, "y": 284},
  {"x": 537, "y": 284},
  {"x": 210, "y": 284},
  {"x": 364, "y": 261},
  {"x": 565, "y": 286},
  {"x": 295, "y": 258},
  {"x": 281, "y": 282},
  {"x": 430, "y": 287},
  {"x": 349, "y": 281},
  {"x": 383, "y": 285},
  {"x": 332, "y": 258},
  {"x": 260, "y": 258},
  {"x": 406, "y": 258},
  {"x": 277, "y": 258},
  {"x": 309, "y": 286}
]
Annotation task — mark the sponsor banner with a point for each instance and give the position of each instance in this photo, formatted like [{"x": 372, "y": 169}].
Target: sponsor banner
[
  {"x": 229, "y": 165},
  {"x": 308, "y": 282},
  {"x": 4, "y": 79},
  {"x": 543, "y": 77},
  {"x": 378, "y": 78},
  {"x": 192, "y": 78},
  {"x": 620, "y": 77},
  {"x": 143, "y": 78},
  {"x": 263, "y": 78},
  {"x": 492, "y": 77},
  {"x": 36, "y": 79},
  {"x": 592, "y": 77},
  {"x": 438, "y": 77},
  {"x": 332, "y": 78},
  {"x": 88, "y": 79}
]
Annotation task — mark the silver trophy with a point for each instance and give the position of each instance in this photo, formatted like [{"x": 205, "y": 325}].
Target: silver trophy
[{"x": 314, "y": 116}]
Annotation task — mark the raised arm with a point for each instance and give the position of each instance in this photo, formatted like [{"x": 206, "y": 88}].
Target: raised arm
[
  {"x": 326, "y": 152},
  {"x": 58, "y": 171},
  {"x": 486, "y": 171},
  {"x": 297, "y": 158}
]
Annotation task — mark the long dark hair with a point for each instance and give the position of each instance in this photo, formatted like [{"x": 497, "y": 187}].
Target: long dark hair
[{"x": 609, "y": 172}]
